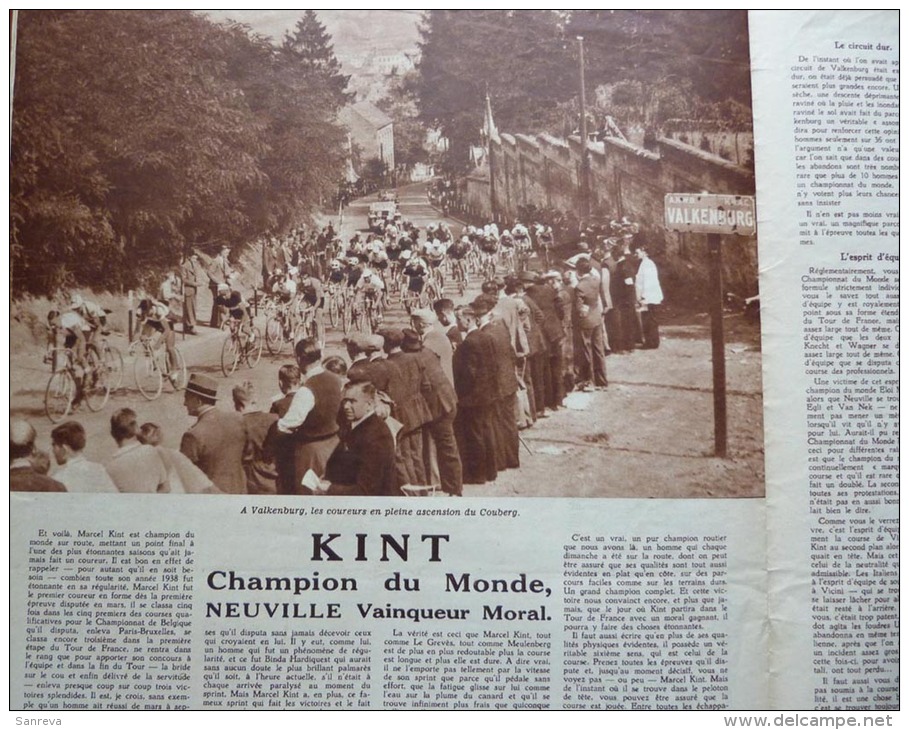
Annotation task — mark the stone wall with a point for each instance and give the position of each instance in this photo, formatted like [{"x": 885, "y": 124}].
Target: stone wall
[{"x": 626, "y": 180}]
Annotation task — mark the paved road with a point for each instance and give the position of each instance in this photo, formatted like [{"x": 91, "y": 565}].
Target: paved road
[
  {"x": 202, "y": 353},
  {"x": 649, "y": 435}
]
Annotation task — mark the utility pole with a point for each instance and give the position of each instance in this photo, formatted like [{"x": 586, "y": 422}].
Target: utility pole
[
  {"x": 585, "y": 154},
  {"x": 490, "y": 128}
]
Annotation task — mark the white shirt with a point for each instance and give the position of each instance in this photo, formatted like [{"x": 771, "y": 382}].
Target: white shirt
[
  {"x": 79, "y": 474},
  {"x": 647, "y": 283},
  {"x": 300, "y": 407}
]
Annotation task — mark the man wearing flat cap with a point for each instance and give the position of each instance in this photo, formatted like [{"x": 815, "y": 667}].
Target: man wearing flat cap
[{"x": 217, "y": 442}]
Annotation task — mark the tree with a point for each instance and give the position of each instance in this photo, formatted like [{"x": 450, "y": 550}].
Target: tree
[
  {"x": 519, "y": 56},
  {"x": 400, "y": 103},
  {"x": 310, "y": 49},
  {"x": 139, "y": 134}
]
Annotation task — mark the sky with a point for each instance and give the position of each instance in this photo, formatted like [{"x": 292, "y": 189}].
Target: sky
[{"x": 352, "y": 31}]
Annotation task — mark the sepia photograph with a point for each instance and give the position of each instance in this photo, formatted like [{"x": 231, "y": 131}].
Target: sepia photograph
[{"x": 440, "y": 253}]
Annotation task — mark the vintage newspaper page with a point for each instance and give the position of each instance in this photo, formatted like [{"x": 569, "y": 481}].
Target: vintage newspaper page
[
  {"x": 559, "y": 529},
  {"x": 826, "y": 121}
]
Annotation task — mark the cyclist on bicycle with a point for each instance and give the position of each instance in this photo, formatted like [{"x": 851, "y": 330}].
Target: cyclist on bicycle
[
  {"x": 154, "y": 316},
  {"x": 284, "y": 290},
  {"x": 377, "y": 255},
  {"x": 416, "y": 270},
  {"x": 521, "y": 236},
  {"x": 312, "y": 299},
  {"x": 93, "y": 314},
  {"x": 336, "y": 273},
  {"x": 237, "y": 310},
  {"x": 434, "y": 251}
]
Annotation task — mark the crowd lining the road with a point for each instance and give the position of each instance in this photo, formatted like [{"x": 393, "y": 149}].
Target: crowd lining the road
[{"x": 415, "y": 410}]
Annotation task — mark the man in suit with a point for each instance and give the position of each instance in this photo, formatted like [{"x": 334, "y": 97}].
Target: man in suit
[
  {"x": 261, "y": 472},
  {"x": 363, "y": 464},
  {"x": 22, "y": 474},
  {"x": 544, "y": 294},
  {"x": 505, "y": 425},
  {"x": 218, "y": 272},
  {"x": 218, "y": 441},
  {"x": 590, "y": 325},
  {"x": 440, "y": 448},
  {"x": 475, "y": 384},
  {"x": 434, "y": 338},
  {"x": 445, "y": 313},
  {"x": 192, "y": 275}
]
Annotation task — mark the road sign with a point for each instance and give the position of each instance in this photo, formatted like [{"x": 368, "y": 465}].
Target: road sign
[{"x": 704, "y": 213}]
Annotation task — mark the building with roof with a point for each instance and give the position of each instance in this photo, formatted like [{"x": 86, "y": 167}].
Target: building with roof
[{"x": 371, "y": 130}]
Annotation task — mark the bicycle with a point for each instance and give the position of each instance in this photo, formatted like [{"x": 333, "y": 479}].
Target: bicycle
[
  {"x": 151, "y": 367},
  {"x": 113, "y": 361},
  {"x": 67, "y": 387},
  {"x": 278, "y": 328},
  {"x": 459, "y": 275},
  {"x": 240, "y": 345}
]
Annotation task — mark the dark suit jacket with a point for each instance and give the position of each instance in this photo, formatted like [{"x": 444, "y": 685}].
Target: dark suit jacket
[
  {"x": 410, "y": 407},
  {"x": 475, "y": 371},
  {"x": 588, "y": 293},
  {"x": 438, "y": 391},
  {"x": 547, "y": 299},
  {"x": 363, "y": 464},
  {"x": 504, "y": 358},
  {"x": 217, "y": 444},
  {"x": 26, "y": 479}
]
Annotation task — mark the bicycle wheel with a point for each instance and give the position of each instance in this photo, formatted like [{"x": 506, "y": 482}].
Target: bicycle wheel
[
  {"x": 59, "y": 395},
  {"x": 332, "y": 308},
  {"x": 95, "y": 384},
  {"x": 254, "y": 348},
  {"x": 375, "y": 317},
  {"x": 177, "y": 377},
  {"x": 149, "y": 378},
  {"x": 230, "y": 355},
  {"x": 274, "y": 336},
  {"x": 346, "y": 317},
  {"x": 113, "y": 362}
]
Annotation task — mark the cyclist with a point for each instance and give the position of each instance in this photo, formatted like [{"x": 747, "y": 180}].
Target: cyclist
[
  {"x": 154, "y": 316},
  {"x": 369, "y": 287},
  {"x": 457, "y": 252},
  {"x": 237, "y": 310},
  {"x": 93, "y": 314},
  {"x": 434, "y": 251},
  {"x": 312, "y": 299},
  {"x": 416, "y": 271},
  {"x": 284, "y": 290}
]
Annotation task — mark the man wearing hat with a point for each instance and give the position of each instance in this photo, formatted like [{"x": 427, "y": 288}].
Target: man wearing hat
[
  {"x": 372, "y": 366},
  {"x": 217, "y": 443},
  {"x": 547, "y": 300}
]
